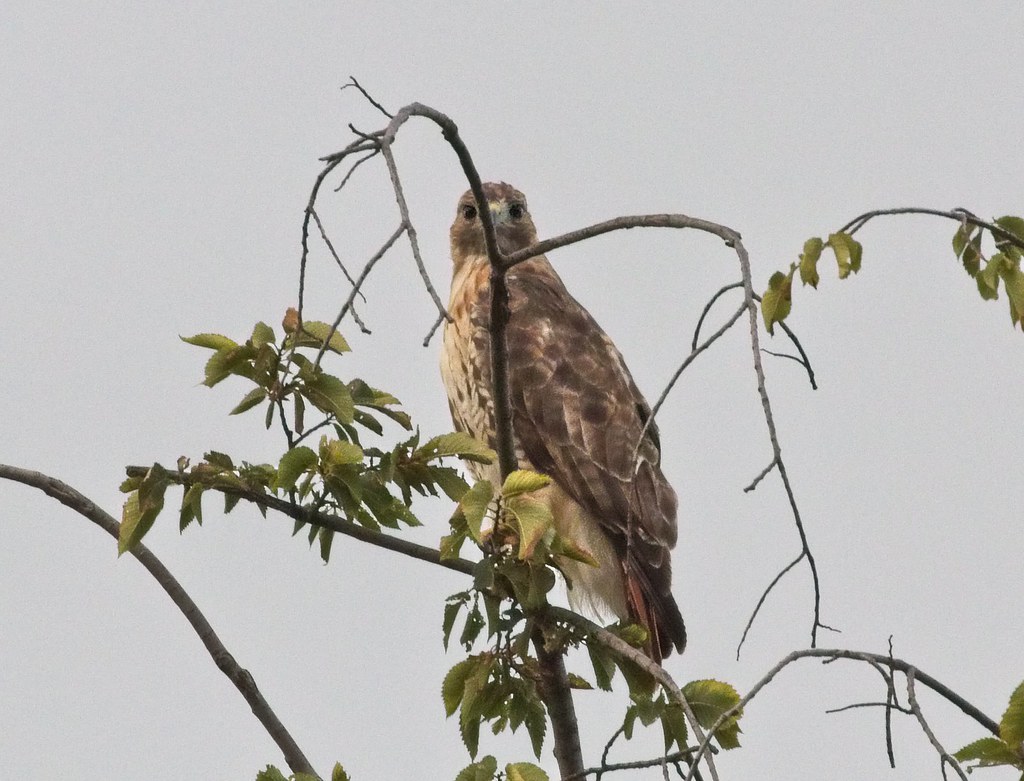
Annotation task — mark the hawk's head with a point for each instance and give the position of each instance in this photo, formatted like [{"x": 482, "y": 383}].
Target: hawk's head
[{"x": 512, "y": 222}]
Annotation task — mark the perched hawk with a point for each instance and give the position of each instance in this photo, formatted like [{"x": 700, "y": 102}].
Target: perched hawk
[{"x": 577, "y": 417}]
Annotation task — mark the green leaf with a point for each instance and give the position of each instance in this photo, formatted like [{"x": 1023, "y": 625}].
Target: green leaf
[
  {"x": 524, "y": 771},
  {"x": 449, "y": 481},
  {"x": 673, "y": 726},
  {"x": 292, "y": 466},
  {"x": 988, "y": 277},
  {"x": 1011, "y": 727},
  {"x": 533, "y": 518},
  {"x": 451, "y": 612},
  {"x": 809, "y": 261},
  {"x": 523, "y": 481},
  {"x": 483, "y": 770},
  {"x": 252, "y": 398},
  {"x": 848, "y": 253},
  {"x": 604, "y": 666},
  {"x": 329, "y": 394},
  {"x": 210, "y": 341},
  {"x": 142, "y": 508},
  {"x": 967, "y": 247},
  {"x": 709, "y": 699},
  {"x": 455, "y": 683},
  {"x": 536, "y": 723},
  {"x": 777, "y": 299},
  {"x": 1013, "y": 281},
  {"x": 191, "y": 506},
  {"x": 1014, "y": 226},
  {"x": 988, "y": 752},
  {"x": 458, "y": 444},
  {"x": 262, "y": 334},
  {"x": 270, "y": 774},
  {"x": 320, "y": 331},
  {"x": 473, "y": 505},
  {"x": 578, "y": 682},
  {"x": 336, "y": 452}
]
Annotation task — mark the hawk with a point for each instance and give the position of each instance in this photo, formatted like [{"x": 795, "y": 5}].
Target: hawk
[{"x": 577, "y": 417}]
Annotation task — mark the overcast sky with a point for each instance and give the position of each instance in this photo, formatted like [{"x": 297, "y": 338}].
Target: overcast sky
[{"x": 156, "y": 161}]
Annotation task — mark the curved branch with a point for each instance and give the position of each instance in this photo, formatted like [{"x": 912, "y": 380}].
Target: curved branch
[
  {"x": 225, "y": 662},
  {"x": 832, "y": 655},
  {"x": 959, "y": 215}
]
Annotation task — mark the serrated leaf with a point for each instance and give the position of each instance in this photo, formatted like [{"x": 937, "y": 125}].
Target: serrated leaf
[
  {"x": 451, "y": 545},
  {"x": 1014, "y": 226},
  {"x": 292, "y": 465},
  {"x": 320, "y": 332},
  {"x": 449, "y": 481},
  {"x": 533, "y": 519},
  {"x": 251, "y": 399},
  {"x": 604, "y": 666},
  {"x": 336, "y": 452},
  {"x": 1011, "y": 726},
  {"x": 988, "y": 277},
  {"x": 329, "y": 394},
  {"x": 673, "y": 726},
  {"x": 988, "y": 752},
  {"x": 709, "y": 699},
  {"x": 262, "y": 334},
  {"x": 967, "y": 247},
  {"x": 809, "y": 261},
  {"x": 223, "y": 363},
  {"x": 191, "y": 506},
  {"x": 524, "y": 771},
  {"x": 777, "y": 299},
  {"x": 457, "y": 443},
  {"x": 454, "y": 684},
  {"x": 451, "y": 612},
  {"x": 210, "y": 341},
  {"x": 536, "y": 723},
  {"x": 473, "y": 505},
  {"x": 848, "y": 253},
  {"x": 1013, "y": 281},
  {"x": 578, "y": 682},
  {"x": 483, "y": 770},
  {"x": 142, "y": 508},
  {"x": 270, "y": 774},
  {"x": 523, "y": 481}
]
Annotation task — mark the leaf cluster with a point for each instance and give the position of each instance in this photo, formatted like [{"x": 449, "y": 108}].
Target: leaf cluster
[
  {"x": 1008, "y": 748},
  {"x": 271, "y": 773},
  {"x": 999, "y": 268},
  {"x": 342, "y": 475}
]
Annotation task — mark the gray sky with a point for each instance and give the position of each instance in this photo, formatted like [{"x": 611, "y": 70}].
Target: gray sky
[{"x": 157, "y": 161}]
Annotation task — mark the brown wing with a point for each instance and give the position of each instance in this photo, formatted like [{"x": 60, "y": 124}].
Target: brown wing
[{"x": 578, "y": 416}]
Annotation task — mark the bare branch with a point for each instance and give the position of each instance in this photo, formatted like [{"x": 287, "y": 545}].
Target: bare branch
[
  {"x": 944, "y": 756},
  {"x": 958, "y": 215},
  {"x": 767, "y": 591},
  {"x": 833, "y": 654},
  {"x": 225, "y": 662},
  {"x": 761, "y": 476},
  {"x": 707, "y": 309},
  {"x": 353, "y": 83},
  {"x": 337, "y": 260},
  {"x": 356, "y": 289}
]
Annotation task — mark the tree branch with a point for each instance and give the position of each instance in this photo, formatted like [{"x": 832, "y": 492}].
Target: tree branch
[
  {"x": 225, "y": 662},
  {"x": 834, "y": 654},
  {"x": 958, "y": 215}
]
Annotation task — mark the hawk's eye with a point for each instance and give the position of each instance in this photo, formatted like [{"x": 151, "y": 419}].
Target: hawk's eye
[
  {"x": 469, "y": 212},
  {"x": 516, "y": 211}
]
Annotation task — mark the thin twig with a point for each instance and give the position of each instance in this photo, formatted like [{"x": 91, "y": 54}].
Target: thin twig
[
  {"x": 352, "y": 169},
  {"x": 240, "y": 677},
  {"x": 764, "y": 596},
  {"x": 832, "y": 654},
  {"x": 958, "y": 215},
  {"x": 707, "y": 308},
  {"x": 761, "y": 476},
  {"x": 762, "y": 391},
  {"x": 337, "y": 260},
  {"x": 356, "y": 288},
  {"x": 353, "y": 83},
  {"x": 678, "y": 373},
  {"x": 944, "y": 756}
]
